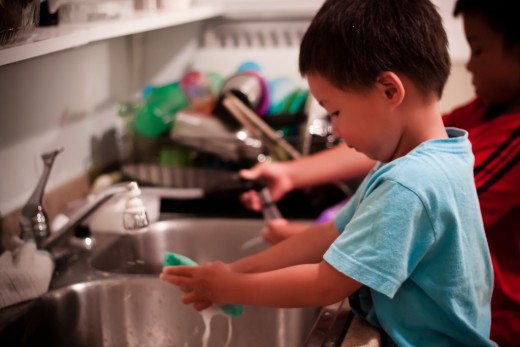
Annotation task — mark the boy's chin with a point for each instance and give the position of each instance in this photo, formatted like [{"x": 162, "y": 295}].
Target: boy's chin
[{"x": 350, "y": 146}]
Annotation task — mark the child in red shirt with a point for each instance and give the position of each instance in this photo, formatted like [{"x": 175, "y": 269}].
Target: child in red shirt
[
  {"x": 493, "y": 123},
  {"x": 495, "y": 141}
]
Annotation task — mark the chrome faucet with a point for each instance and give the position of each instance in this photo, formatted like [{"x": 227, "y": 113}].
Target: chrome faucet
[
  {"x": 134, "y": 215},
  {"x": 34, "y": 223}
]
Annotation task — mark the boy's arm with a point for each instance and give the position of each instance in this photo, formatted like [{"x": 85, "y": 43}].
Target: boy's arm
[
  {"x": 305, "y": 247},
  {"x": 335, "y": 164},
  {"x": 274, "y": 277},
  {"x": 296, "y": 286}
]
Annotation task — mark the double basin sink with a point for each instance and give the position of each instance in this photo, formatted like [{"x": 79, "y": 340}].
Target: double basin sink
[{"x": 111, "y": 295}]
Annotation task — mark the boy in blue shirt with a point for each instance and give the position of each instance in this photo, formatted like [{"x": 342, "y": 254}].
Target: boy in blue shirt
[{"x": 411, "y": 239}]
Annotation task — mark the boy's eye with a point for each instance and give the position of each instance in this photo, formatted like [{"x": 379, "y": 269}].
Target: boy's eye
[{"x": 476, "y": 52}]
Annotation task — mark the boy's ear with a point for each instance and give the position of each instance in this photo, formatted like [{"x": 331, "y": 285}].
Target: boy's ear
[{"x": 391, "y": 86}]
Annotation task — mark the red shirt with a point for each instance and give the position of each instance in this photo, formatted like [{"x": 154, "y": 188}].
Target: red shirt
[{"x": 496, "y": 146}]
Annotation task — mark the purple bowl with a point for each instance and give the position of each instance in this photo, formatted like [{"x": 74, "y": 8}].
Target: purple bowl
[{"x": 265, "y": 100}]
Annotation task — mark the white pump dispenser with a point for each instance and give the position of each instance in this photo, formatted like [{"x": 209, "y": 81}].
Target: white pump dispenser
[{"x": 134, "y": 215}]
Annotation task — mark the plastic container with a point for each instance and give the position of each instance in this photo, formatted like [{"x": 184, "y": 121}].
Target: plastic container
[
  {"x": 18, "y": 19},
  {"x": 252, "y": 86},
  {"x": 91, "y": 11},
  {"x": 145, "y": 5},
  {"x": 79, "y": 11},
  {"x": 198, "y": 90},
  {"x": 174, "y": 4},
  {"x": 155, "y": 117},
  {"x": 280, "y": 89}
]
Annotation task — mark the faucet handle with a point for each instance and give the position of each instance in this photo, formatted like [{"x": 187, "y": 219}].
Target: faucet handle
[
  {"x": 48, "y": 158},
  {"x": 34, "y": 223}
]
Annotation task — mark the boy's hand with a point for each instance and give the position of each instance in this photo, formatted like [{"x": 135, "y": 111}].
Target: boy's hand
[
  {"x": 203, "y": 285},
  {"x": 251, "y": 200},
  {"x": 276, "y": 178},
  {"x": 277, "y": 230}
]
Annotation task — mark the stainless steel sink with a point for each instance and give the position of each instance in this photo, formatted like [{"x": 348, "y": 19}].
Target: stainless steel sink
[
  {"x": 200, "y": 239},
  {"x": 111, "y": 296},
  {"x": 144, "y": 311}
]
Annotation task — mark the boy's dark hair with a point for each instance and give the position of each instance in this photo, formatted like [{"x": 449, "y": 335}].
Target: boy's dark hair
[
  {"x": 501, "y": 15},
  {"x": 350, "y": 42}
]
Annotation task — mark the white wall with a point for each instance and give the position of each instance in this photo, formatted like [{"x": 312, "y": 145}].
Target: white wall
[
  {"x": 459, "y": 49},
  {"x": 58, "y": 100},
  {"x": 69, "y": 99},
  {"x": 458, "y": 46},
  {"x": 458, "y": 89}
]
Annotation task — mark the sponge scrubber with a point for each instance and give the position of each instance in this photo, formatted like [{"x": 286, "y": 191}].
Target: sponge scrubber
[{"x": 174, "y": 259}]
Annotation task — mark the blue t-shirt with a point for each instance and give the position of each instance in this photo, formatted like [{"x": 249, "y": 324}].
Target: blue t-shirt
[{"x": 413, "y": 234}]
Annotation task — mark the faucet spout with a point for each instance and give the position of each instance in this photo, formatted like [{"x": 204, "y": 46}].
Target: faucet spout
[{"x": 34, "y": 222}]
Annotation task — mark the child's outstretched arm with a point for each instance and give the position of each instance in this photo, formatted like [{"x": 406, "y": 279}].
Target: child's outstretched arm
[
  {"x": 334, "y": 164},
  {"x": 305, "y": 247},
  {"x": 295, "y": 286}
]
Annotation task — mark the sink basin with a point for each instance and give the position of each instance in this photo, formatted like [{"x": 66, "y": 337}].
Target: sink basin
[
  {"x": 120, "y": 301},
  {"x": 144, "y": 311},
  {"x": 200, "y": 239}
]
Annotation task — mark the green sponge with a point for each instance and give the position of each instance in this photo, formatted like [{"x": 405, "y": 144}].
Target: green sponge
[{"x": 174, "y": 259}]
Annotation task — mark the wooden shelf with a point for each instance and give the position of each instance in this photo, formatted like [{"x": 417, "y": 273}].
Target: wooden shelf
[{"x": 53, "y": 39}]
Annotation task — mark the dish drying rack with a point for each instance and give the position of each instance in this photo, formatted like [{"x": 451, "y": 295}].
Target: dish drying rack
[
  {"x": 271, "y": 42},
  {"x": 270, "y": 138}
]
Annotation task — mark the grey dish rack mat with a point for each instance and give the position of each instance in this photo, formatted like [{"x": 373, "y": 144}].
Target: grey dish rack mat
[{"x": 175, "y": 177}]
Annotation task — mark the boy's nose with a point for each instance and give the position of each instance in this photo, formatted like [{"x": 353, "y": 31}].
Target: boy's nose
[
  {"x": 469, "y": 65},
  {"x": 335, "y": 127}
]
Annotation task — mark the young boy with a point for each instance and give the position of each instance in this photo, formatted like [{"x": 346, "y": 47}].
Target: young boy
[
  {"x": 493, "y": 124},
  {"x": 412, "y": 235}
]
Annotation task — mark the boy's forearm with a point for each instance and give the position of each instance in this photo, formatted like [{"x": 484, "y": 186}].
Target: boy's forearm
[
  {"x": 335, "y": 164},
  {"x": 306, "y": 247},
  {"x": 297, "y": 286}
]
